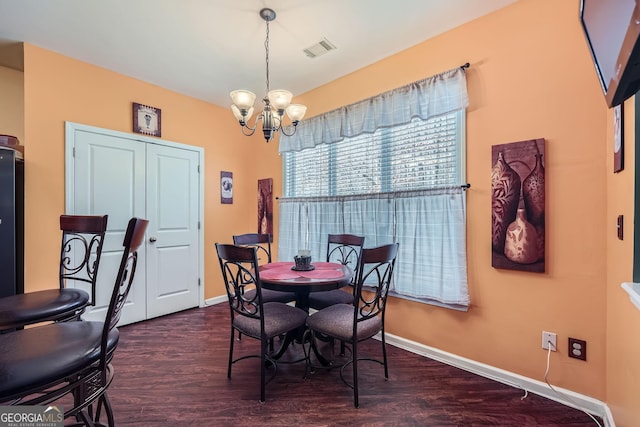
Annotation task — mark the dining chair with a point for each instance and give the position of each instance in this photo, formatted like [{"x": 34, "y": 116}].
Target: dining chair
[
  {"x": 250, "y": 314},
  {"x": 80, "y": 253},
  {"x": 262, "y": 243},
  {"x": 354, "y": 323},
  {"x": 42, "y": 365},
  {"x": 345, "y": 249}
]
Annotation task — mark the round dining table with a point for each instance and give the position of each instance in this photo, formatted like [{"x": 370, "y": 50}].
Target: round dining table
[{"x": 324, "y": 276}]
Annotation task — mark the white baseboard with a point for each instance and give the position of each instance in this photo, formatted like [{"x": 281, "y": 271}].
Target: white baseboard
[
  {"x": 215, "y": 300},
  {"x": 566, "y": 397}
]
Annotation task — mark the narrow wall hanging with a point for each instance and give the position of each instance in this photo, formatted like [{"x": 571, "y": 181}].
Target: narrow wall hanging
[
  {"x": 265, "y": 206},
  {"x": 226, "y": 187},
  {"x": 618, "y": 141},
  {"x": 518, "y": 206}
]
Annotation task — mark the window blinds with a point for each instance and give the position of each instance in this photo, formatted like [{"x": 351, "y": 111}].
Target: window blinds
[{"x": 419, "y": 155}]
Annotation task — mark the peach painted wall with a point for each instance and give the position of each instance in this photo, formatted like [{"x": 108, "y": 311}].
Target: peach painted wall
[
  {"x": 531, "y": 76},
  {"x": 11, "y": 103},
  {"x": 623, "y": 319},
  {"x": 59, "y": 89}
]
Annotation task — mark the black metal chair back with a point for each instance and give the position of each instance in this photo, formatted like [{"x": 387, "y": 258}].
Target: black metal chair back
[
  {"x": 262, "y": 243},
  {"x": 345, "y": 249},
  {"x": 375, "y": 272},
  {"x": 239, "y": 266},
  {"x": 81, "y": 249}
]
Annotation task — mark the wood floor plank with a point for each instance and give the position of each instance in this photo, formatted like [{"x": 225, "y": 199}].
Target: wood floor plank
[{"x": 172, "y": 371}]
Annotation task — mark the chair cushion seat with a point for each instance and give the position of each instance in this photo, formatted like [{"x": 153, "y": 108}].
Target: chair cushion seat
[
  {"x": 34, "y": 357},
  {"x": 337, "y": 321},
  {"x": 272, "y": 296},
  {"x": 320, "y": 300},
  {"x": 33, "y": 307},
  {"x": 279, "y": 318}
]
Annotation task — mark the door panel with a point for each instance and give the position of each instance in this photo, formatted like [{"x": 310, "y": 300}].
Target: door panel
[
  {"x": 172, "y": 210},
  {"x": 109, "y": 179}
]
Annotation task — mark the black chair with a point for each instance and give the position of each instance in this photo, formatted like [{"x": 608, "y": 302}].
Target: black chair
[
  {"x": 345, "y": 249},
  {"x": 81, "y": 249},
  {"x": 262, "y": 243},
  {"x": 353, "y": 323},
  {"x": 252, "y": 316},
  {"x": 42, "y": 365}
]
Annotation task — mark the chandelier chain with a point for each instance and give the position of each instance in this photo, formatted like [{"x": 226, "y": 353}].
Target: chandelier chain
[{"x": 266, "y": 48}]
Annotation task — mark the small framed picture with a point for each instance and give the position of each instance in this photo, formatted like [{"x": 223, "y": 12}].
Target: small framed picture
[
  {"x": 226, "y": 187},
  {"x": 618, "y": 139},
  {"x": 147, "y": 120}
]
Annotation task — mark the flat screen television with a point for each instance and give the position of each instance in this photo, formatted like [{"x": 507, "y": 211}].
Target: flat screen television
[{"x": 612, "y": 29}]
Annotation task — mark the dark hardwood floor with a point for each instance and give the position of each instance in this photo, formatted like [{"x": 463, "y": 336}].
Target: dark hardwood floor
[{"x": 171, "y": 371}]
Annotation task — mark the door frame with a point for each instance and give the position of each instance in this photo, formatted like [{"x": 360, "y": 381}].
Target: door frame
[{"x": 70, "y": 130}]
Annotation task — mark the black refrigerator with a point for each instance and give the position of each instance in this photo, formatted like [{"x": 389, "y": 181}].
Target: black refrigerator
[{"x": 11, "y": 222}]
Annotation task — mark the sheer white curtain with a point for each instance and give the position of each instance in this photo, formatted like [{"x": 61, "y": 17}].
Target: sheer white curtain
[
  {"x": 432, "y": 257},
  {"x": 430, "y": 226},
  {"x": 372, "y": 218},
  {"x": 292, "y": 229},
  {"x": 305, "y": 224},
  {"x": 325, "y": 217}
]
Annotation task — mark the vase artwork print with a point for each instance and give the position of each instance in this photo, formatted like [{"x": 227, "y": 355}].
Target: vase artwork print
[
  {"x": 518, "y": 206},
  {"x": 265, "y": 206}
]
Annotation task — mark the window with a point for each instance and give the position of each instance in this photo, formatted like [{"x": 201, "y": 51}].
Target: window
[
  {"x": 422, "y": 154},
  {"x": 390, "y": 169}
]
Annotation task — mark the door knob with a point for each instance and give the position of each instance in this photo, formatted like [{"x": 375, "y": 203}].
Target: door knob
[{"x": 152, "y": 239}]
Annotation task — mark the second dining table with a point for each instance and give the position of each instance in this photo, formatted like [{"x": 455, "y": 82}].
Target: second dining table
[{"x": 323, "y": 276}]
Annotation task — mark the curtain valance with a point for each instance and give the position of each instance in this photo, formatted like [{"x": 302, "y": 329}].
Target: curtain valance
[{"x": 430, "y": 97}]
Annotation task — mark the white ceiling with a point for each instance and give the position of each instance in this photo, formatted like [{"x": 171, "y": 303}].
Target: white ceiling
[{"x": 206, "y": 48}]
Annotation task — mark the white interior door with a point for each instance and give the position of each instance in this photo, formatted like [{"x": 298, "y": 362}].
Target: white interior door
[
  {"x": 172, "y": 235},
  {"x": 111, "y": 173}
]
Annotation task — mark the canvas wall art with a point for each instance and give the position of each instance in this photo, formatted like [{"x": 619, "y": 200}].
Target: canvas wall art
[
  {"x": 265, "y": 206},
  {"x": 618, "y": 139},
  {"x": 518, "y": 206},
  {"x": 226, "y": 188}
]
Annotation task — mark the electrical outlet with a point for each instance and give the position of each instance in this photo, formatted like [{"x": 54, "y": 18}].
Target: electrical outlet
[
  {"x": 549, "y": 339},
  {"x": 577, "y": 349}
]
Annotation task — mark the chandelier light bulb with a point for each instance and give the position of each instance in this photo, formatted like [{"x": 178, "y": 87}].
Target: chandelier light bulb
[
  {"x": 280, "y": 99},
  {"x": 243, "y": 99},
  {"x": 296, "y": 112}
]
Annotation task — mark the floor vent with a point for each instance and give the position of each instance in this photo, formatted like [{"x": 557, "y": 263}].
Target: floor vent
[{"x": 320, "y": 48}]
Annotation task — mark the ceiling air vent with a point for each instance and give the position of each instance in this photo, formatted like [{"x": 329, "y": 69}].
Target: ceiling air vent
[{"x": 320, "y": 48}]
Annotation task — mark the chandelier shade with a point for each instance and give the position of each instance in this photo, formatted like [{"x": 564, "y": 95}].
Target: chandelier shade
[{"x": 275, "y": 102}]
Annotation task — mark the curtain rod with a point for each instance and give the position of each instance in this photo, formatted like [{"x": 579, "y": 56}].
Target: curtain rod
[{"x": 463, "y": 186}]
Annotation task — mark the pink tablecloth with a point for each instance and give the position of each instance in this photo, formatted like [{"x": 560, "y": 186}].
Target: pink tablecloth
[{"x": 282, "y": 270}]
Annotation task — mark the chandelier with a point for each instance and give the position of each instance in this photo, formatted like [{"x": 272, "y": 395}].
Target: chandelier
[{"x": 275, "y": 103}]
